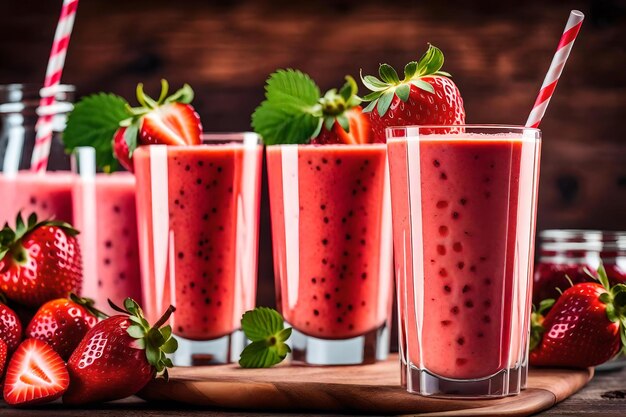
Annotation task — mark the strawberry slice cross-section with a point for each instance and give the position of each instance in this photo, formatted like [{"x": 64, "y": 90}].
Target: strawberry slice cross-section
[{"x": 36, "y": 374}]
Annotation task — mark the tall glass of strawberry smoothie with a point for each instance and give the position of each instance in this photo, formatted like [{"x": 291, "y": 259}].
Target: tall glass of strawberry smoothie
[
  {"x": 332, "y": 242},
  {"x": 106, "y": 216},
  {"x": 198, "y": 215},
  {"x": 464, "y": 207},
  {"x": 49, "y": 195}
]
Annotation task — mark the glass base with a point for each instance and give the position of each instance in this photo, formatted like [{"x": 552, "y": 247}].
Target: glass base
[
  {"x": 226, "y": 349},
  {"x": 524, "y": 376},
  {"x": 367, "y": 348},
  {"x": 504, "y": 383}
]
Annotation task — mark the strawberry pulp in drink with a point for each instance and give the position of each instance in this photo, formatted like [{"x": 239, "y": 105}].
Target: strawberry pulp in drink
[
  {"x": 464, "y": 216},
  {"x": 331, "y": 237}
]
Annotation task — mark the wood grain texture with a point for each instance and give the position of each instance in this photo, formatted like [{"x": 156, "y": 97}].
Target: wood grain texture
[{"x": 371, "y": 389}]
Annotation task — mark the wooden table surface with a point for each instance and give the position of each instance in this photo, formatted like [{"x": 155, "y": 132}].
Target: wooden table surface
[{"x": 604, "y": 396}]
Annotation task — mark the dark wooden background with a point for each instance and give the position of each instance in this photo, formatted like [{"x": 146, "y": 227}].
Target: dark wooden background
[{"x": 497, "y": 51}]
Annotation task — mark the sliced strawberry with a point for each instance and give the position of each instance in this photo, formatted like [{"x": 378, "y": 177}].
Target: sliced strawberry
[
  {"x": 171, "y": 124},
  {"x": 121, "y": 150},
  {"x": 36, "y": 374}
]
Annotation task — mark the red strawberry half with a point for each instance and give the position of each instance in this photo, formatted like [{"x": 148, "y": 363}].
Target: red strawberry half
[
  {"x": 167, "y": 121},
  {"x": 36, "y": 374},
  {"x": 39, "y": 261},
  {"x": 119, "y": 356},
  {"x": 585, "y": 327},
  {"x": 63, "y": 322},
  {"x": 426, "y": 96},
  {"x": 10, "y": 327}
]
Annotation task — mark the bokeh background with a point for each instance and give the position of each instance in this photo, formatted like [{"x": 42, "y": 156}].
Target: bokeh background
[{"x": 497, "y": 51}]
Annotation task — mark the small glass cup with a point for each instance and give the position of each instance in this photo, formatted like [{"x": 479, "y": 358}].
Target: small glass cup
[
  {"x": 105, "y": 213},
  {"x": 331, "y": 231},
  {"x": 198, "y": 215},
  {"x": 464, "y": 208},
  {"x": 48, "y": 195}
]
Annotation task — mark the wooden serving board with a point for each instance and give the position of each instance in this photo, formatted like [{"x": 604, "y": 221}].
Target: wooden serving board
[{"x": 371, "y": 389}]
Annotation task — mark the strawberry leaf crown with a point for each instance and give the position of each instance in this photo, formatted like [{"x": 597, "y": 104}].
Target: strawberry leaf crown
[
  {"x": 156, "y": 340},
  {"x": 294, "y": 110},
  {"x": 536, "y": 321},
  {"x": 10, "y": 238},
  {"x": 132, "y": 124},
  {"x": 615, "y": 300},
  {"x": 89, "y": 305},
  {"x": 389, "y": 84}
]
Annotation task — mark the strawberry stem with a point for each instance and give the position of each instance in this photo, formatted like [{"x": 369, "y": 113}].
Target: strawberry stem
[{"x": 165, "y": 317}]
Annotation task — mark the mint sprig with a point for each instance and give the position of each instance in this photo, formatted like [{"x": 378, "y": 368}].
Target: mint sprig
[
  {"x": 294, "y": 112},
  {"x": 93, "y": 122},
  {"x": 265, "y": 328}
]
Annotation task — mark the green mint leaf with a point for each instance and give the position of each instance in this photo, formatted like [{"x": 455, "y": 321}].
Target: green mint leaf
[
  {"x": 261, "y": 323},
  {"x": 93, "y": 122},
  {"x": 388, "y": 74},
  {"x": 430, "y": 62},
  {"x": 265, "y": 328},
  {"x": 384, "y": 102},
  {"x": 403, "y": 91},
  {"x": 290, "y": 113}
]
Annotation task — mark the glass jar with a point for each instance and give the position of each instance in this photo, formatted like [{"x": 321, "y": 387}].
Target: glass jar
[
  {"x": 577, "y": 254},
  {"x": 18, "y": 116}
]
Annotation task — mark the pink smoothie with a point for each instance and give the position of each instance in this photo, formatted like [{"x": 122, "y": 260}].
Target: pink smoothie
[
  {"x": 463, "y": 246},
  {"x": 198, "y": 211},
  {"x": 105, "y": 214},
  {"x": 48, "y": 195},
  {"x": 331, "y": 237}
]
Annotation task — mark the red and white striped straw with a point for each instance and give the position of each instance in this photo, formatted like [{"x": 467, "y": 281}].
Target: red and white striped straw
[
  {"x": 556, "y": 68},
  {"x": 43, "y": 139}
]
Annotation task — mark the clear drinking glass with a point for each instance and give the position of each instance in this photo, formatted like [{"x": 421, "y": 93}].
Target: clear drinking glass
[
  {"x": 48, "y": 195},
  {"x": 198, "y": 215},
  {"x": 105, "y": 214},
  {"x": 464, "y": 204},
  {"x": 332, "y": 243}
]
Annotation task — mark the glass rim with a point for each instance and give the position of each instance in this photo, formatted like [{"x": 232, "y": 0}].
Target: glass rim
[
  {"x": 61, "y": 88},
  {"x": 473, "y": 126}
]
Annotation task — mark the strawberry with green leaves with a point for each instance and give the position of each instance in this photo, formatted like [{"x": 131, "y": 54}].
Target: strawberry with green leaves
[
  {"x": 295, "y": 112},
  {"x": 585, "y": 327},
  {"x": 63, "y": 322},
  {"x": 39, "y": 261},
  {"x": 425, "y": 96},
  {"x": 115, "y": 129},
  {"x": 119, "y": 356}
]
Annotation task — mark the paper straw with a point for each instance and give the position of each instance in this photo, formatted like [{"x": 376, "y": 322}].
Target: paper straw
[
  {"x": 556, "y": 68},
  {"x": 43, "y": 138}
]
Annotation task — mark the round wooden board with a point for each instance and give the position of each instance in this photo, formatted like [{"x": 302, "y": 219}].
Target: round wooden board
[{"x": 372, "y": 389}]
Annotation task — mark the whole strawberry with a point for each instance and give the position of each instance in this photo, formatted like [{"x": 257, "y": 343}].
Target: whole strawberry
[
  {"x": 426, "y": 96},
  {"x": 119, "y": 356},
  {"x": 39, "y": 261},
  {"x": 10, "y": 327},
  {"x": 63, "y": 322},
  {"x": 585, "y": 327},
  {"x": 170, "y": 120}
]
